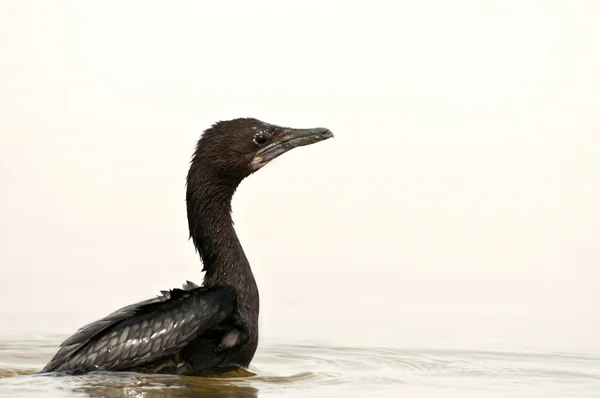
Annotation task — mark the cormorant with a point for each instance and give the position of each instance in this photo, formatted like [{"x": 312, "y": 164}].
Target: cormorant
[{"x": 197, "y": 330}]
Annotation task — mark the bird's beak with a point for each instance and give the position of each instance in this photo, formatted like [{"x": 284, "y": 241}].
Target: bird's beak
[{"x": 290, "y": 139}]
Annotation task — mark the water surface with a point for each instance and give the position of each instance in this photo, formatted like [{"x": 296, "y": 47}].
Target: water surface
[{"x": 318, "y": 370}]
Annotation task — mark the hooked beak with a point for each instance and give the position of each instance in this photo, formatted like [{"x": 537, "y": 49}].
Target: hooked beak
[{"x": 291, "y": 139}]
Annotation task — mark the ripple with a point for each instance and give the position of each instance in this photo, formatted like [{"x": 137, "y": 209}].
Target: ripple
[{"x": 435, "y": 367}]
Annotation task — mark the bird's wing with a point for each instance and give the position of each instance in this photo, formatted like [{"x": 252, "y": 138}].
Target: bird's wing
[{"x": 146, "y": 331}]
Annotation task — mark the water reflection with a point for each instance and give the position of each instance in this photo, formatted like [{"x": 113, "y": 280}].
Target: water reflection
[
  {"x": 151, "y": 387},
  {"x": 133, "y": 385},
  {"x": 125, "y": 385}
]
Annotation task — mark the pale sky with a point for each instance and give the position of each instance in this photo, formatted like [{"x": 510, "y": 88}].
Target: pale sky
[{"x": 463, "y": 177}]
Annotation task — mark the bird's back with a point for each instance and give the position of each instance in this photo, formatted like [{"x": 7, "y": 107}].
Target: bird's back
[{"x": 160, "y": 335}]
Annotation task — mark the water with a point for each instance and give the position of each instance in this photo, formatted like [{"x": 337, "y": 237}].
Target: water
[{"x": 319, "y": 370}]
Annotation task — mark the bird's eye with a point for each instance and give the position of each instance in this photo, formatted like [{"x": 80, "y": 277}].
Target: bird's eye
[{"x": 260, "y": 138}]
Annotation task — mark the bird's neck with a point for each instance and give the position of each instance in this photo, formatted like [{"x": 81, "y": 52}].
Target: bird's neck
[{"x": 213, "y": 234}]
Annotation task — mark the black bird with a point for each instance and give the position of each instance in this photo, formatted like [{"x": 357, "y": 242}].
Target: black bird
[{"x": 197, "y": 330}]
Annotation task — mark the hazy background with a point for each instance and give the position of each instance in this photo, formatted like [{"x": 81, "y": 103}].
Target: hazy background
[{"x": 458, "y": 204}]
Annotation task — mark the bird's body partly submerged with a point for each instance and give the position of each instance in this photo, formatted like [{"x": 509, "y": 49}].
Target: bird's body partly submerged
[{"x": 196, "y": 330}]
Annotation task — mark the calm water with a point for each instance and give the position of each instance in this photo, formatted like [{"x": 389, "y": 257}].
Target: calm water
[{"x": 305, "y": 370}]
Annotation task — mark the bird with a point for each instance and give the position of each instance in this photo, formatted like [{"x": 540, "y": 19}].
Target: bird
[{"x": 198, "y": 330}]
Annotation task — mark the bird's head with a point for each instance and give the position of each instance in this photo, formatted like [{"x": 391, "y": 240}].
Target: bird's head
[{"x": 234, "y": 149}]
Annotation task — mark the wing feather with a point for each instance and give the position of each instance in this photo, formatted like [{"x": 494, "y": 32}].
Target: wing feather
[{"x": 146, "y": 331}]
